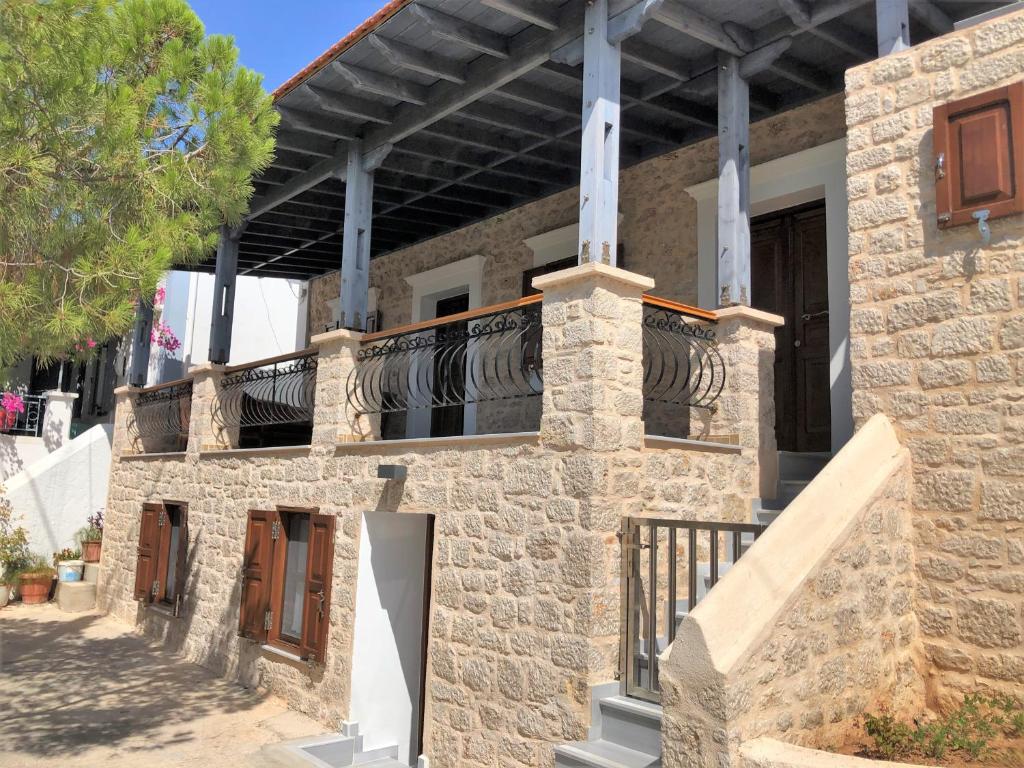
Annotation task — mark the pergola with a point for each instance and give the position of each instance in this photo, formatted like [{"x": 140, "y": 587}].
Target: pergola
[{"x": 437, "y": 113}]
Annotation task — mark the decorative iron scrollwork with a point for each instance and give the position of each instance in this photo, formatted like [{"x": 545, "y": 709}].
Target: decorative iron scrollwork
[
  {"x": 496, "y": 356},
  {"x": 160, "y": 418},
  {"x": 265, "y": 394},
  {"x": 682, "y": 365}
]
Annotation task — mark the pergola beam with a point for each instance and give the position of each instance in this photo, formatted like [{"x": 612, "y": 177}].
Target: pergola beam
[
  {"x": 382, "y": 85},
  {"x": 310, "y": 122},
  {"x": 931, "y": 16},
  {"x": 532, "y": 11},
  {"x": 470, "y": 35},
  {"x": 415, "y": 60},
  {"x": 347, "y": 105}
]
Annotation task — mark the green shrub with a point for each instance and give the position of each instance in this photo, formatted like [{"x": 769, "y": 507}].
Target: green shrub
[{"x": 892, "y": 738}]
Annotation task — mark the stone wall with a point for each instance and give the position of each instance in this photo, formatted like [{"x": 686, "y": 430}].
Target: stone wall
[
  {"x": 937, "y": 343},
  {"x": 812, "y": 626},
  {"x": 658, "y": 230},
  {"x": 525, "y": 595}
]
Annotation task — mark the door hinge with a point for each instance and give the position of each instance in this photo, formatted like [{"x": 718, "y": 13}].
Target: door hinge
[
  {"x": 177, "y": 606},
  {"x": 161, "y": 519},
  {"x": 156, "y": 588},
  {"x": 275, "y": 530},
  {"x": 268, "y": 619}
]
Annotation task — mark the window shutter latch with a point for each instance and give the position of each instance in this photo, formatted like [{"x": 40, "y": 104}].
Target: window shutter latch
[
  {"x": 983, "y": 228},
  {"x": 268, "y": 617},
  {"x": 162, "y": 518},
  {"x": 275, "y": 530},
  {"x": 156, "y": 588},
  {"x": 940, "y": 166}
]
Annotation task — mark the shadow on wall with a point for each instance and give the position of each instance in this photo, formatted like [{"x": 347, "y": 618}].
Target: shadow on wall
[{"x": 106, "y": 690}]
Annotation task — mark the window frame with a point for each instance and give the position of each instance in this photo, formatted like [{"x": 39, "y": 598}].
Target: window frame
[
  {"x": 268, "y": 577},
  {"x": 154, "y": 555}
]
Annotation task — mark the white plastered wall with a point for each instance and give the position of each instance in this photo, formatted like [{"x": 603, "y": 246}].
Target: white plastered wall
[{"x": 813, "y": 174}]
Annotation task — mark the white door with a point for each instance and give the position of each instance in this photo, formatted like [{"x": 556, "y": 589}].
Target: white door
[{"x": 387, "y": 666}]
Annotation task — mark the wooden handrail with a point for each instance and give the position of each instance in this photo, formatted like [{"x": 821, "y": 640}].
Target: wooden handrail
[
  {"x": 165, "y": 385},
  {"x": 683, "y": 309},
  {"x": 456, "y": 318},
  {"x": 307, "y": 352}
]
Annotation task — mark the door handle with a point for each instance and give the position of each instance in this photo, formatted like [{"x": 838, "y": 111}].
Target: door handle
[
  {"x": 812, "y": 315},
  {"x": 797, "y": 343}
]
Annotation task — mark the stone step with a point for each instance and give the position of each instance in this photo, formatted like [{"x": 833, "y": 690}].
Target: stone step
[
  {"x": 631, "y": 723},
  {"x": 76, "y": 596},
  {"x": 801, "y": 466},
  {"x": 602, "y": 754}
]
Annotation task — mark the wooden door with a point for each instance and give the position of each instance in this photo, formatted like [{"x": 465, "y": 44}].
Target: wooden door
[
  {"x": 449, "y": 371},
  {"x": 789, "y": 273}
]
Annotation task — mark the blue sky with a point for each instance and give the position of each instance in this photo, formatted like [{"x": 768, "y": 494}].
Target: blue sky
[{"x": 280, "y": 37}]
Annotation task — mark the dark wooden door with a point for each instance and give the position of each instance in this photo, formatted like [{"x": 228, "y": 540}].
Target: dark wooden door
[
  {"x": 449, "y": 370},
  {"x": 789, "y": 273}
]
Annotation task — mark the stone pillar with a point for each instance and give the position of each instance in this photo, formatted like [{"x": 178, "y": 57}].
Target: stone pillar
[
  {"x": 745, "y": 411},
  {"x": 122, "y": 443},
  {"x": 203, "y": 433},
  {"x": 593, "y": 422},
  {"x": 334, "y": 418},
  {"x": 57, "y": 419}
]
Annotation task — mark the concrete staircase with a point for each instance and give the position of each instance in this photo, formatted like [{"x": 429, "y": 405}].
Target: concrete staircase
[
  {"x": 626, "y": 733},
  {"x": 796, "y": 470}
]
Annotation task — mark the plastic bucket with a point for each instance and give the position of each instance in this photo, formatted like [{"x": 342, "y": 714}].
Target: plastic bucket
[{"x": 70, "y": 570}]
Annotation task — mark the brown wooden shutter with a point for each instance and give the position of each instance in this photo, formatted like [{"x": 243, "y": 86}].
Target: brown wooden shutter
[
  {"x": 256, "y": 574},
  {"x": 319, "y": 567},
  {"x": 979, "y": 155},
  {"x": 146, "y": 560}
]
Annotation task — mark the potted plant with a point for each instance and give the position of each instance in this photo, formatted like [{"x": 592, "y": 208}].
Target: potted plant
[
  {"x": 91, "y": 538},
  {"x": 11, "y": 405},
  {"x": 35, "y": 579},
  {"x": 68, "y": 563},
  {"x": 14, "y": 554}
]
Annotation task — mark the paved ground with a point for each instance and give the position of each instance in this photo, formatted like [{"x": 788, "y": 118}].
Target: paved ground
[{"x": 80, "y": 690}]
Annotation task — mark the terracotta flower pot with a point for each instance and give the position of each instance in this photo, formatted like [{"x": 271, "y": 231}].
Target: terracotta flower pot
[
  {"x": 91, "y": 550},
  {"x": 35, "y": 589},
  {"x": 8, "y": 420}
]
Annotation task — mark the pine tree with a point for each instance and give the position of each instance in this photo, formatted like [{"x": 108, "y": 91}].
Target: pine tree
[{"x": 127, "y": 136}]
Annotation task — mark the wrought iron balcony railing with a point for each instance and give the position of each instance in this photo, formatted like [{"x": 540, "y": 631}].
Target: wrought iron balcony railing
[
  {"x": 486, "y": 356},
  {"x": 159, "y": 420},
  {"x": 269, "y": 402},
  {"x": 28, "y": 423},
  {"x": 682, "y": 365}
]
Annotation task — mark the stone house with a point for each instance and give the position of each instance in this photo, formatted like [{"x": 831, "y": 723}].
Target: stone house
[{"x": 602, "y": 297}]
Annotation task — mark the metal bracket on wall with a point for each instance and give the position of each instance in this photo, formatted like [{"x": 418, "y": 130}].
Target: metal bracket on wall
[{"x": 983, "y": 228}]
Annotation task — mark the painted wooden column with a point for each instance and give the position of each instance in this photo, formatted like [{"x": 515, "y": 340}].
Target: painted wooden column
[
  {"x": 224, "y": 296},
  {"x": 893, "y": 21},
  {"x": 355, "y": 246},
  {"x": 733, "y": 184},
  {"x": 599, "y": 161},
  {"x": 141, "y": 340}
]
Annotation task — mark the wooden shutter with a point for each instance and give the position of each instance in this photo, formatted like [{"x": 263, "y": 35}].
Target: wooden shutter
[
  {"x": 148, "y": 552},
  {"x": 256, "y": 574},
  {"x": 319, "y": 567},
  {"x": 979, "y": 155}
]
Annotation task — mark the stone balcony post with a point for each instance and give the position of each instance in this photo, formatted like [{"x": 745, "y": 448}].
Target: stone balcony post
[
  {"x": 746, "y": 407},
  {"x": 121, "y": 443},
  {"x": 334, "y": 418},
  {"x": 592, "y": 422},
  {"x": 204, "y": 434}
]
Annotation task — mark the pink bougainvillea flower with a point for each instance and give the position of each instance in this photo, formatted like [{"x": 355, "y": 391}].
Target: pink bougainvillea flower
[
  {"x": 12, "y": 403},
  {"x": 90, "y": 343}
]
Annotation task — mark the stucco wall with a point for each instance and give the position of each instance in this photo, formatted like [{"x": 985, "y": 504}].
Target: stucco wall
[
  {"x": 658, "y": 228},
  {"x": 938, "y": 344}
]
